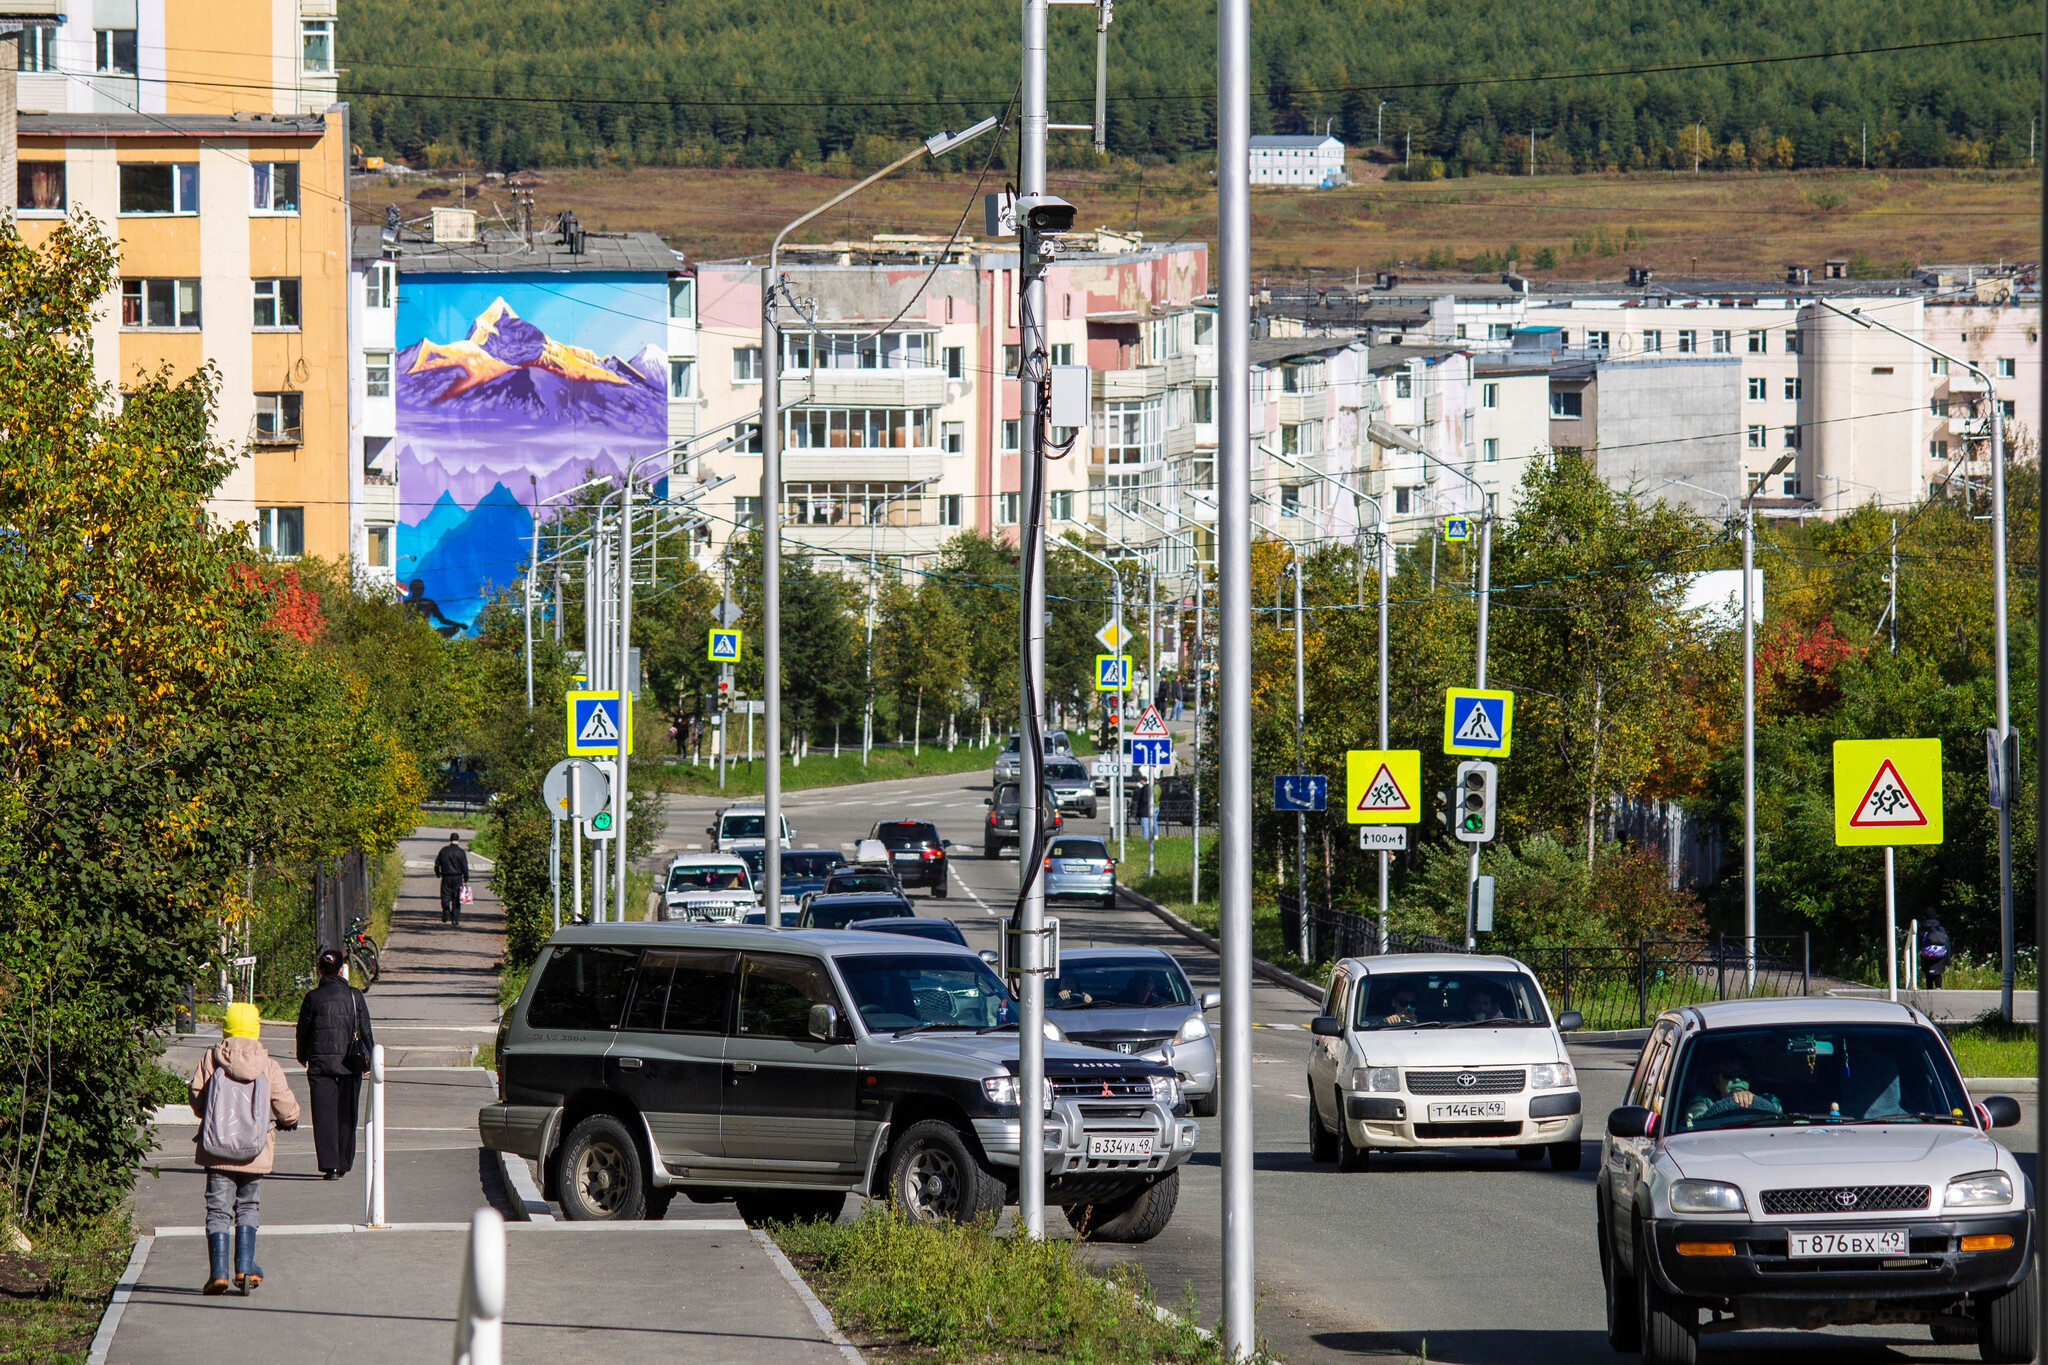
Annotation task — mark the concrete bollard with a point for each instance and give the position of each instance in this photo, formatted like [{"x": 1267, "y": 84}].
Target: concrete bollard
[
  {"x": 373, "y": 1191},
  {"x": 480, "y": 1315}
]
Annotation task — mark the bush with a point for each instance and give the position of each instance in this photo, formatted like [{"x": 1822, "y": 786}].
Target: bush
[{"x": 1543, "y": 896}]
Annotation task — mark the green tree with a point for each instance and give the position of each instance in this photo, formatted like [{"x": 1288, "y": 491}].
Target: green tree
[{"x": 920, "y": 648}]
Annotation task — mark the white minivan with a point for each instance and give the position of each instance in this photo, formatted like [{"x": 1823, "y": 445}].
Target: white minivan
[{"x": 1415, "y": 1051}]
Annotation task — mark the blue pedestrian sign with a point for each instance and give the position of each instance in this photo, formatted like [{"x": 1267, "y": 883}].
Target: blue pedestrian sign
[
  {"x": 1457, "y": 528},
  {"x": 723, "y": 647},
  {"x": 1478, "y": 722},
  {"x": 1112, "y": 672},
  {"x": 596, "y": 723},
  {"x": 1300, "y": 791}
]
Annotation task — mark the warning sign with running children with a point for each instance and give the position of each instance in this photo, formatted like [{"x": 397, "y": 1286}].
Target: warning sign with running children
[
  {"x": 1887, "y": 791},
  {"x": 1380, "y": 786}
]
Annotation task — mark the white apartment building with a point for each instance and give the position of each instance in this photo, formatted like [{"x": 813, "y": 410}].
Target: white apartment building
[{"x": 1303, "y": 162}]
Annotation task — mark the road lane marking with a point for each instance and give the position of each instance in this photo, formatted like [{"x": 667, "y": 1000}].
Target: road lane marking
[{"x": 975, "y": 898}]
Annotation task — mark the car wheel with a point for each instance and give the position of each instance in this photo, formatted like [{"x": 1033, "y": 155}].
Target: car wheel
[
  {"x": 2005, "y": 1322},
  {"x": 1567, "y": 1156},
  {"x": 1350, "y": 1157},
  {"x": 1670, "y": 1326},
  {"x": 601, "y": 1175},
  {"x": 1088, "y": 813},
  {"x": 1624, "y": 1328},
  {"x": 791, "y": 1206},
  {"x": 657, "y": 1204},
  {"x": 1952, "y": 1333},
  {"x": 939, "y": 888},
  {"x": 1135, "y": 1217},
  {"x": 1206, "y": 1106},
  {"x": 990, "y": 849},
  {"x": 934, "y": 1177},
  {"x": 1530, "y": 1153},
  {"x": 1322, "y": 1143},
  {"x": 1109, "y": 901}
]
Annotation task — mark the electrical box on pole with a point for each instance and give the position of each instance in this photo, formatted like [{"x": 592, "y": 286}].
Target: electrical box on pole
[{"x": 1476, "y": 793}]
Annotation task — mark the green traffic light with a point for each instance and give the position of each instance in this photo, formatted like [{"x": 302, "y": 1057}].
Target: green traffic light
[{"x": 602, "y": 820}]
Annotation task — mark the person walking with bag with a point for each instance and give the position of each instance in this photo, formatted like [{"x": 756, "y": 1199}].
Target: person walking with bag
[
  {"x": 451, "y": 865},
  {"x": 334, "y": 1043},
  {"x": 242, "y": 1098},
  {"x": 1933, "y": 951}
]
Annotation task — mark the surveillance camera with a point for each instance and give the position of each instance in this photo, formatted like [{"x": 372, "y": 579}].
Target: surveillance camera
[{"x": 1048, "y": 213}]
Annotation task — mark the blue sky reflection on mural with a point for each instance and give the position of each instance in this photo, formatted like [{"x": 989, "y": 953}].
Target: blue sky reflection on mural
[{"x": 504, "y": 376}]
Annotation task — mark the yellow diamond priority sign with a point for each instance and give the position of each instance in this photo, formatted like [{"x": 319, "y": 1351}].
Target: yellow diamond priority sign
[
  {"x": 1887, "y": 791},
  {"x": 1381, "y": 786}
]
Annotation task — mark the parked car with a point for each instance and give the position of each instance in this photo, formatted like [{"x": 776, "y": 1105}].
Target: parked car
[
  {"x": 1809, "y": 1163},
  {"x": 916, "y": 852},
  {"x": 1011, "y": 759},
  {"x": 743, "y": 823},
  {"x": 787, "y": 1071},
  {"x": 1079, "y": 868},
  {"x": 1070, "y": 787},
  {"x": 1415, "y": 1051},
  {"x": 708, "y": 886},
  {"x": 1137, "y": 1001},
  {"x": 937, "y": 930},
  {"x": 838, "y": 910},
  {"x": 804, "y": 870},
  {"x": 1001, "y": 831},
  {"x": 1176, "y": 801}
]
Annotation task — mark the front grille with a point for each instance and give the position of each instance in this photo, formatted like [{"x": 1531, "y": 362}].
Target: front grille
[
  {"x": 1447, "y": 1131},
  {"x": 1103, "y": 1088},
  {"x": 1453, "y": 1082},
  {"x": 1121, "y": 1042},
  {"x": 709, "y": 909},
  {"x": 1846, "y": 1199}
]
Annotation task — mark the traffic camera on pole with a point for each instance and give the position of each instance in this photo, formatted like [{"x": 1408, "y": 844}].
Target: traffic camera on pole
[{"x": 1476, "y": 791}]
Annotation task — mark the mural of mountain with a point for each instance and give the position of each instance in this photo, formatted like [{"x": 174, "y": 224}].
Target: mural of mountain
[
  {"x": 485, "y": 549},
  {"x": 418, "y": 539},
  {"x": 508, "y": 367}
]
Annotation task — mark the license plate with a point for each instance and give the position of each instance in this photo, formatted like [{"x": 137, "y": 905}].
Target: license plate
[
  {"x": 1119, "y": 1146},
  {"x": 906, "y": 857},
  {"x": 1882, "y": 1242},
  {"x": 1468, "y": 1109}
]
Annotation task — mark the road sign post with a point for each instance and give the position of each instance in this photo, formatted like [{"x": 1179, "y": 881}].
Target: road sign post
[{"x": 1887, "y": 793}]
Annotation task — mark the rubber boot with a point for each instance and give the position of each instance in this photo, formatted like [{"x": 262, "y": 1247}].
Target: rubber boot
[
  {"x": 247, "y": 1273},
  {"x": 217, "y": 1254}
]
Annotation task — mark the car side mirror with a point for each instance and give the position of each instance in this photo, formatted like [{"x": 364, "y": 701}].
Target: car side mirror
[
  {"x": 710, "y": 831},
  {"x": 1632, "y": 1121},
  {"x": 2002, "y": 1110},
  {"x": 988, "y": 955},
  {"x": 1211, "y": 1000},
  {"x": 1570, "y": 1020},
  {"x": 824, "y": 1023},
  {"x": 1323, "y": 1026}
]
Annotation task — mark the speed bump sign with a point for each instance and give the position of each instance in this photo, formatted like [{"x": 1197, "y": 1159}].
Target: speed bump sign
[{"x": 1887, "y": 791}]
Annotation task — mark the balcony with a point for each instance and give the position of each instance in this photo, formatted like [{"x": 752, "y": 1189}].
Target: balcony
[
  {"x": 1292, "y": 408},
  {"x": 876, "y": 464},
  {"x": 1180, "y": 369},
  {"x": 1961, "y": 381},
  {"x": 278, "y": 436},
  {"x": 870, "y": 388},
  {"x": 858, "y": 541},
  {"x": 1146, "y": 381}
]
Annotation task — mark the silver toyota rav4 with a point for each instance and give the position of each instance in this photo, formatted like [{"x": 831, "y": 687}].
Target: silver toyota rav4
[{"x": 1810, "y": 1163}]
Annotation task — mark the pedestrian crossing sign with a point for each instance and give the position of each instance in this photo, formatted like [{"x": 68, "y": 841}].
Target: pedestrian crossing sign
[
  {"x": 1887, "y": 791},
  {"x": 1112, "y": 672},
  {"x": 595, "y": 723},
  {"x": 1381, "y": 786},
  {"x": 1457, "y": 528},
  {"x": 1478, "y": 722},
  {"x": 724, "y": 647}
]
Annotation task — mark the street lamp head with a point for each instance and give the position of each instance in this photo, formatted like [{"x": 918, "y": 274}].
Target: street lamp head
[{"x": 938, "y": 144}]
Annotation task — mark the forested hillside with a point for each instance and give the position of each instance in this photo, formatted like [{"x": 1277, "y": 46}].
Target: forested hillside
[{"x": 1604, "y": 83}]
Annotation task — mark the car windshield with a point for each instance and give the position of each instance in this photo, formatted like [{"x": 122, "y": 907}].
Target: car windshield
[
  {"x": 901, "y": 991},
  {"x": 938, "y": 930},
  {"x": 811, "y": 865},
  {"x": 860, "y": 881},
  {"x": 1449, "y": 1000},
  {"x": 1117, "y": 983},
  {"x": 1788, "y": 1074},
  {"x": 905, "y": 834},
  {"x": 1079, "y": 848},
  {"x": 742, "y": 826},
  {"x": 708, "y": 879},
  {"x": 1065, "y": 772},
  {"x": 831, "y": 915}
]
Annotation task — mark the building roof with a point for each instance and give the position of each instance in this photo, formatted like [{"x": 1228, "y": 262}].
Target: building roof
[
  {"x": 504, "y": 251},
  {"x": 1276, "y": 143},
  {"x": 1398, "y": 357},
  {"x": 172, "y": 125},
  {"x": 1482, "y": 361},
  {"x": 1273, "y": 350}
]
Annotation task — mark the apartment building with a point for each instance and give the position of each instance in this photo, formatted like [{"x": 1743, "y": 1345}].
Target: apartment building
[
  {"x": 1307, "y": 162},
  {"x": 220, "y": 57}
]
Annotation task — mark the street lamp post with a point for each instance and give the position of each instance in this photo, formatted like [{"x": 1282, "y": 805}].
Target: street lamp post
[{"x": 1116, "y": 771}]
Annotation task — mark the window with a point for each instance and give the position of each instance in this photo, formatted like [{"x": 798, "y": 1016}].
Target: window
[
  {"x": 1301, "y": 438},
  {"x": 38, "y": 48},
  {"x": 1599, "y": 341},
  {"x": 1567, "y": 405},
  {"x": 1500, "y": 331},
  {"x": 1489, "y": 395},
  {"x": 377, "y": 374},
  {"x": 39, "y": 185},
  {"x": 956, "y": 362},
  {"x": 1063, "y": 353},
  {"x": 682, "y": 297},
  {"x": 276, "y": 186},
  {"x": 1403, "y": 497},
  {"x": 1938, "y": 365},
  {"x": 953, "y": 439},
  {"x": 750, "y": 439},
  {"x": 1791, "y": 341},
  {"x": 281, "y": 531},
  {"x": 859, "y": 429},
  {"x": 380, "y": 284},
  {"x": 1756, "y": 343},
  {"x": 1461, "y": 332},
  {"x": 1059, "y": 505},
  {"x": 160, "y": 187},
  {"x": 1205, "y": 404},
  {"x": 747, "y": 510},
  {"x": 1012, "y": 355},
  {"x": 1653, "y": 342},
  {"x": 1688, "y": 343},
  {"x": 2007, "y": 368},
  {"x": 279, "y": 418},
  {"x": 682, "y": 380},
  {"x": 377, "y": 546},
  {"x": 2007, "y": 408},
  {"x": 1012, "y": 433},
  {"x": 1937, "y": 450},
  {"x": 373, "y": 452},
  {"x": 1130, "y": 431},
  {"x": 113, "y": 51},
  {"x": 316, "y": 45},
  {"x": 682, "y": 990},
  {"x": 1791, "y": 438},
  {"x": 1404, "y": 385},
  {"x": 1489, "y": 450},
  {"x": 950, "y": 509},
  {"x": 1724, "y": 343},
  {"x": 1290, "y": 499},
  {"x": 1006, "y": 509},
  {"x": 1757, "y": 439},
  {"x": 1792, "y": 389},
  {"x": 583, "y": 987},
  {"x": 1937, "y": 407},
  {"x": 746, "y": 364},
  {"x": 1205, "y": 329},
  {"x": 1759, "y": 388},
  {"x": 159, "y": 303},
  {"x": 277, "y": 305},
  {"x": 1791, "y": 484}
]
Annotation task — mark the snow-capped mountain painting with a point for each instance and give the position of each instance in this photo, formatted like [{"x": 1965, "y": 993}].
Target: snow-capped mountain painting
[{"x": 508, "y": 388}]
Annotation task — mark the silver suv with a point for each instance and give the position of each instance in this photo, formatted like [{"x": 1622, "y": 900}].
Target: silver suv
[{"x": 1810, "y": 1163}]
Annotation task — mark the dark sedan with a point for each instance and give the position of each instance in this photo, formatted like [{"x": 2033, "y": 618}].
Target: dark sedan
[
  {"x": 937, "y": 930},
  {"x": 916, "y": 853},
  {"x": 838, "y": 911}
]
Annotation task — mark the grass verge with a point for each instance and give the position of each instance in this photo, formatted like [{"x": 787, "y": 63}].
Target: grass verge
[
  {"x": 1988, "y": 1046},
  {"x": 51, "y": 1296},
  {"x": 823, "y": 770},
  {"x": 917, "y": 1292},
  {"x": 1171, "y": 881}
]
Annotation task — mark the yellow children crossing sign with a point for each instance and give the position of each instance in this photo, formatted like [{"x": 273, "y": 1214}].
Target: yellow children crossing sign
[
  {"x": 1381, "y": 786},
  {"x": 1887, "y": 791}
]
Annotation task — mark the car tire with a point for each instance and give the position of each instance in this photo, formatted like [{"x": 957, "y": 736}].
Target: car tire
[
  {"x": 1952, "y": 1334},
  {"x": 1351, "y": 1158},
  {"x": 1535, "y": 1153},
  {"x": 991, "y": 850},
  {"x": 1567, "y": 1156},
  {"x": 939, "y": 888},
  {"x": 1088, "y": 812},
  {"x": 603, "y": 1179},
  {"x": 1109, "y": 901},
  {"x": 934, "y": 1176},
  {"x": 1624, "y": 1328},
  {"x": 2005, "y": 1322},
  {"x": 1205, "y": 1107},
  {"x": 1130, "y": 1218},
  {"x": 1322, "y": 1143},
  {"x": 657, "y": 1204},
  {"x": 791, "y": 1206},
  {"x": 1670, "y": 1326}
]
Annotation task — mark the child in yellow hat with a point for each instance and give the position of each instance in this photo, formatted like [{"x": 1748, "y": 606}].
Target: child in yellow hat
[{"x": 241, "y": 1097}]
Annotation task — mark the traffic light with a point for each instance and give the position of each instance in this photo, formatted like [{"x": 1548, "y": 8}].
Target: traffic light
[
  {"x": 1443, "y": 811},
  {"x": 1478, "y": 781},
  {"x": 724, "y": 695}
]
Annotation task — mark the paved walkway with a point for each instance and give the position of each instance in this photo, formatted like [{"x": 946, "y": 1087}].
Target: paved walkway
[{"x": 697, "y": 1287}]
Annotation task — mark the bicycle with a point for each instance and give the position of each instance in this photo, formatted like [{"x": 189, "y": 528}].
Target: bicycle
[{"x": 362, "y": 953}]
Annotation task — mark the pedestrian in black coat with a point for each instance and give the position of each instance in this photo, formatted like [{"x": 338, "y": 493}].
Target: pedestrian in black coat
[
  {"x": 451, "y": 865},
  {"x": 332, "y": 1016}
]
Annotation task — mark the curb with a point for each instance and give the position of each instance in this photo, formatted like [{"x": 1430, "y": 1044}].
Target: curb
[
  {"x": 110, "y": 1321},
  {"x": 1260, "y": 966},
  {"x": 819, "y": 1313},
  {"x": 2002, "y": 1085},
  {"x": 526, "y": 1196}
]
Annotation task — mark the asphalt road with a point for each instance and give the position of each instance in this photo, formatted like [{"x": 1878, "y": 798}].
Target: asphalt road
[{"x": 1470, "y": 1257}]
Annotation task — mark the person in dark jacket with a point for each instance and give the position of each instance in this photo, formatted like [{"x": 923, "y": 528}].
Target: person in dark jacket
[
  {"x": 332, "y": 1016},
  {"x": 451, "y": 865},
  {"x": 1933, "y": 952}
]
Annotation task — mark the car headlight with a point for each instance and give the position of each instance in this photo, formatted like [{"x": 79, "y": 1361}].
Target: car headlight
[
  {"x": 1166, "y": 1089},
  {"x": 1376, "y": 1078},
  {"x": 1053, "y": 1034},
  {"x": 1003, "y": 1090},
  {"x": 1984, "y": 1189},
  {"x": 1193, "y": 1027},
  {"x": 1551, "y": 1075},
  {"x": 1706, "y": 1196}
]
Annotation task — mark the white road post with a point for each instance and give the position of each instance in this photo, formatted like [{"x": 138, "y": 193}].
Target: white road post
[
  {"x": 374, "y": 1215},
  {"x": 1891, "y": 929},
  {"x": 480, "y": 1314}
]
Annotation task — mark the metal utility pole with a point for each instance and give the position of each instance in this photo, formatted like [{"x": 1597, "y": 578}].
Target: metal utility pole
[
  {"x": 1102, "y": 17},
  {"x": 2040, "y": 806},
  {"x": 1479, "y": 674},
  {"x": 532, "y": 567},
  {"x": 1300, "y": 817},
  {"x": 1380, "y": 136},
  {"x": 1234, "y": 658},
  {"x": 1195, "y": 862}
]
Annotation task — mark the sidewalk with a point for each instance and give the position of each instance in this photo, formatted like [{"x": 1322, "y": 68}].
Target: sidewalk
[
  {"x": 1948, "y": 1007},
  {"x": 332, "y": 1290}
]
